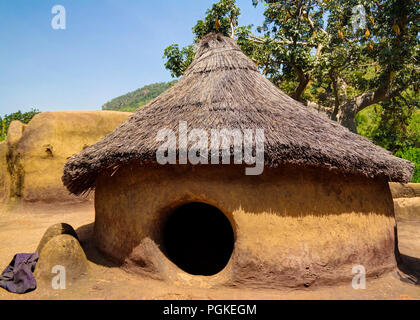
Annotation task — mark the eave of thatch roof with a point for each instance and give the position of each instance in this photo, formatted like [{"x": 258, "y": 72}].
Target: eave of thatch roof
[{"x": 222, "y": 88}]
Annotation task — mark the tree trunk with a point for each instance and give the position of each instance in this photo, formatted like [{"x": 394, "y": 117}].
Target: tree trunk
[
  {"x": 346, "y": 116},
  {"x": 345, "y": 113},
  {"x": 303, "y": 82}
]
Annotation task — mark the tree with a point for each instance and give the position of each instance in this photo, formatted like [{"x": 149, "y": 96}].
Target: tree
[
  {"x": 395, "y": 125},
  {"x": 131, "y": 101},
  {"x": 222, "y": 17},
  {"x": 336, "y": 56},
  {"x": 177, "y": 61}
]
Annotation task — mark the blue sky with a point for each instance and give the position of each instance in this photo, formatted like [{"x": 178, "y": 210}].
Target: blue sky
[{"x": 109, "y": 47}]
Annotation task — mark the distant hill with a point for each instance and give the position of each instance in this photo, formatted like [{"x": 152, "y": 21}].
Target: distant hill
[{"x": 135, "y": 99}]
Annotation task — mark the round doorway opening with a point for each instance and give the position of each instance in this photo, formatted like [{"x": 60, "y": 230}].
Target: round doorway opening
[{"x": 198, "y": 238}]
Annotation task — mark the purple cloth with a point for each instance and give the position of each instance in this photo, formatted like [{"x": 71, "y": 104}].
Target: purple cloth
[{"x": 18, "y": 277}]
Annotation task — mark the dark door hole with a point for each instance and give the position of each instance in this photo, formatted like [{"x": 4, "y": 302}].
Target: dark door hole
[{"x": 198, "y": 238}]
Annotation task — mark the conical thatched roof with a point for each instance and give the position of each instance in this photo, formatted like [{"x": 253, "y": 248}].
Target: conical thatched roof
[{"x": 223, "y": 89}]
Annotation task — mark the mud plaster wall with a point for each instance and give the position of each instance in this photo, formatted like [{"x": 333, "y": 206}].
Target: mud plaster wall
[
  {"x": 406, "y": 200},
  {"x": 35, "y": 158},
  {"x": 13, "y": 171},
  {"x": 4, "y": 176},
  {"x": 409, "y": 190},
  {"x": 293, "y": 226}
]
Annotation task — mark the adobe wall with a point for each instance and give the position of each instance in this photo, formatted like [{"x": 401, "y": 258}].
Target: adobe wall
[
  {"x": 36, "y": 153},
  {"x": 400, "y": 190},
  {"x": 4, "y": 177},
  {"x": 406, "y": 200},
  {"x": 293, "y": 226}
]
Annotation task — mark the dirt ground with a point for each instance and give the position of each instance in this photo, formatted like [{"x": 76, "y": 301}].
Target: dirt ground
[{"x": 21, "y": 230}]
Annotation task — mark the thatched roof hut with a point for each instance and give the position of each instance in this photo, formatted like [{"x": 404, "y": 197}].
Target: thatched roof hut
[
  {"x": 321, "y": 206},
  {"x": 223, "y": 89}
]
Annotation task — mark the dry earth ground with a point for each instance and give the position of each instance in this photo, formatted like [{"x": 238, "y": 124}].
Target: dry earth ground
[{"x": 21, "y": 230}]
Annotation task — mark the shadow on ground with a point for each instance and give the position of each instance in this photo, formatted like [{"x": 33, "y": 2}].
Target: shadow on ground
[
  {"x": 409, "y": 269},
  {"x": 85, "y": 234}
]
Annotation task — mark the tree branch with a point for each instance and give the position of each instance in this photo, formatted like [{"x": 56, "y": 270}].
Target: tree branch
[
  {"x": 311, "y": 23},
  {"x": 261, "y": 40},
  {"x": 366, "y": 99},
  {"x": 232, "y": 27},
  {"x": 336, "y": 96},
  {"x": 303, "y": 80}
]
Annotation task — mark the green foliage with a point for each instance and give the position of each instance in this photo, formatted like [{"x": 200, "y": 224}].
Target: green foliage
[
  {"x": 311, "y": 50},
  {"x": 315, "y": 41},
  {"x": 391, "y": 131},
  {"x": 222, "y": 17},
  {"x": 3, "y": 132},
  {"x": 395, "y": 126},
  {"x": 135, "y": 99},
  {"x": 368, "y": 119},
  {"x": 412, "y": 154},
  {"x": 24, "y": 117},
  {"x": 177, "y": 61}
]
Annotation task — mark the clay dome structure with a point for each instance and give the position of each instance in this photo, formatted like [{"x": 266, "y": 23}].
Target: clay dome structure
[{"x": 321, "y": 206}]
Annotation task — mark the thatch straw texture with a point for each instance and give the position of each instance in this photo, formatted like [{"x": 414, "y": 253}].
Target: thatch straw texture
[{"x": 223, "y": 89}]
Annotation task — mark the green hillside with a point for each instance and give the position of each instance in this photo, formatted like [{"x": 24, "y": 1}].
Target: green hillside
[{"x": 135, "y": 99}]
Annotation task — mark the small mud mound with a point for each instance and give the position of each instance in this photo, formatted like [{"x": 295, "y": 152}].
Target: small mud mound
[
  {"x": 56, "y": 230},
  {"x": 62, "y": 254}
]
